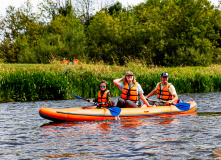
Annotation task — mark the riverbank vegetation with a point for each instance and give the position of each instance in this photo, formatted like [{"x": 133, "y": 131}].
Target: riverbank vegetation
[
  {"x": 28, "y": 82},
  {"x": 160, "y": 32},
  {"x": 181, "y": 37}
]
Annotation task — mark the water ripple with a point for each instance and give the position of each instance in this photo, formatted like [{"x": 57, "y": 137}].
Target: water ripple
[{"x": 25, "y": 135}]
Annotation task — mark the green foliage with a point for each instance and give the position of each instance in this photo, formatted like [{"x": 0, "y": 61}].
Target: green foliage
[
  {"x": 181, "y": 28},
  {"x": 41, "y": 82},
  {"x": 167, "y": 33},
  {"x": 65, "y": 37},
  {"x": 22, "y": 85},
  {"x": 18, "y": 23},
  {"x": 160, "y": 32},
  {"x": 117, "y": 7},
  {"x": 28, "y": 40},
  {"x": 110, "y": 37},
  {"x": 50, "y": 9}
]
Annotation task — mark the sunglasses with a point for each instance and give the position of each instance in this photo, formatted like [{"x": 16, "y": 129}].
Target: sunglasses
[{"x": 102, "y": 86}]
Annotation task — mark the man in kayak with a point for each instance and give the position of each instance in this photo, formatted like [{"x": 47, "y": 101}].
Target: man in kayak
[
  {"x": 131, "y": 92},
  {"x": 104, "y": 96},
  {"x": 166, "y": 93}
]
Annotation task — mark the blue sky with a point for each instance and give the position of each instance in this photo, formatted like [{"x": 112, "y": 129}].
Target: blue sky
[{"x": 17, "y": 3}]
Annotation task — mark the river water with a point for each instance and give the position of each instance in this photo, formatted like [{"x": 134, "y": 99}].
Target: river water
[{"x": 25, "y": 135}]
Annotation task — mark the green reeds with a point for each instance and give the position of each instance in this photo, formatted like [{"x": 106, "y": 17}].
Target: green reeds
[{"x": 55, "y": 82}]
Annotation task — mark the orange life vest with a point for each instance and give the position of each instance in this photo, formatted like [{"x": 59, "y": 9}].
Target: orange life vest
[
  {"x": 65, "y": 61},
  {"x": 103, "y": 98},
  {"x": 130, "y": 94},
  {"x": 164, "y": 94}
]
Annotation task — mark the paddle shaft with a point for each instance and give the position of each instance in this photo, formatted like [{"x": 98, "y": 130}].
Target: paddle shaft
[
  {"x": 84, "y": 99},
  {"x": 115, "y": 111}
]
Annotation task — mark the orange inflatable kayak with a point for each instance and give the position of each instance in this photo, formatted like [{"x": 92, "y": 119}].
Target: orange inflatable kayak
[{"x": 93, "y": 114}]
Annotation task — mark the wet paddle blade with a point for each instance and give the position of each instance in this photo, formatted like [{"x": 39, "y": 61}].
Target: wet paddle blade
[
  {"x": 115, "y": 111},
  {"x": 183, "y": 106}
]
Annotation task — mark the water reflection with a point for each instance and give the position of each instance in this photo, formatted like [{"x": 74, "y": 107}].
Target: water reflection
[
  {"x": 25, "y": 135},
  {"x": 217, "y": 154},
  {"x": 124, "y": 123},
  {"x": 106, "y": 134}
]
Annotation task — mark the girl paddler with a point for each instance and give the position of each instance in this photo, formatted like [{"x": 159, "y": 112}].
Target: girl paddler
[
  {"x": 131, "y": 92},
  {"x": 104, "y": 96}
]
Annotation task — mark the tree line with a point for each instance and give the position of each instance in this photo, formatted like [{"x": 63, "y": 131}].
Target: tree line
[{"x": 158, "y": 32}]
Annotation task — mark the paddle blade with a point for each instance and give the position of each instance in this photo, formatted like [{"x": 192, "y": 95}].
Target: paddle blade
[
  {"x": 76, "y": 96},
  {"x": 183, "y": 106},
  {"x": 115, "y": 111}
]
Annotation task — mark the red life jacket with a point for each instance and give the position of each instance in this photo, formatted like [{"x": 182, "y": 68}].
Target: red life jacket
[{"x": 130, "y": 94}]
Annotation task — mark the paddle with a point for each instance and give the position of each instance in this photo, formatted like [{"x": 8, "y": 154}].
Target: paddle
[
  {"x": 183, "y": 106},
  {"x": 115, "y": 111},
  {"x": 84, "y": 99}
]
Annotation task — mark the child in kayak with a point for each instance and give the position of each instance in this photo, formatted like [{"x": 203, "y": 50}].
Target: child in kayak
[{"x": 104, "y": 96}]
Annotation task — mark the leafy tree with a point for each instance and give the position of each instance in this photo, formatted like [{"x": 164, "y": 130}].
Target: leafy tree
[
  {"x": 17, "y": 23},
  {"x": 115, "y": 38},
  {"x": 160, "y": 32},
  {"x": 69, "y": 35},
  {"x": 117, "y": 7},
  {"x": 180, "y": 26},
  {"x": 50, "y": 8}
]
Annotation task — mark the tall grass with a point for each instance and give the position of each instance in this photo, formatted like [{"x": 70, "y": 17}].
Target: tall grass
[{"x": 27, "y": 82}]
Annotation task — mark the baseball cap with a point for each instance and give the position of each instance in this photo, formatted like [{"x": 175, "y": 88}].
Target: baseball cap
[
  {"x": 164, "y": 74},
  {"x": 129, "y": 73}
]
